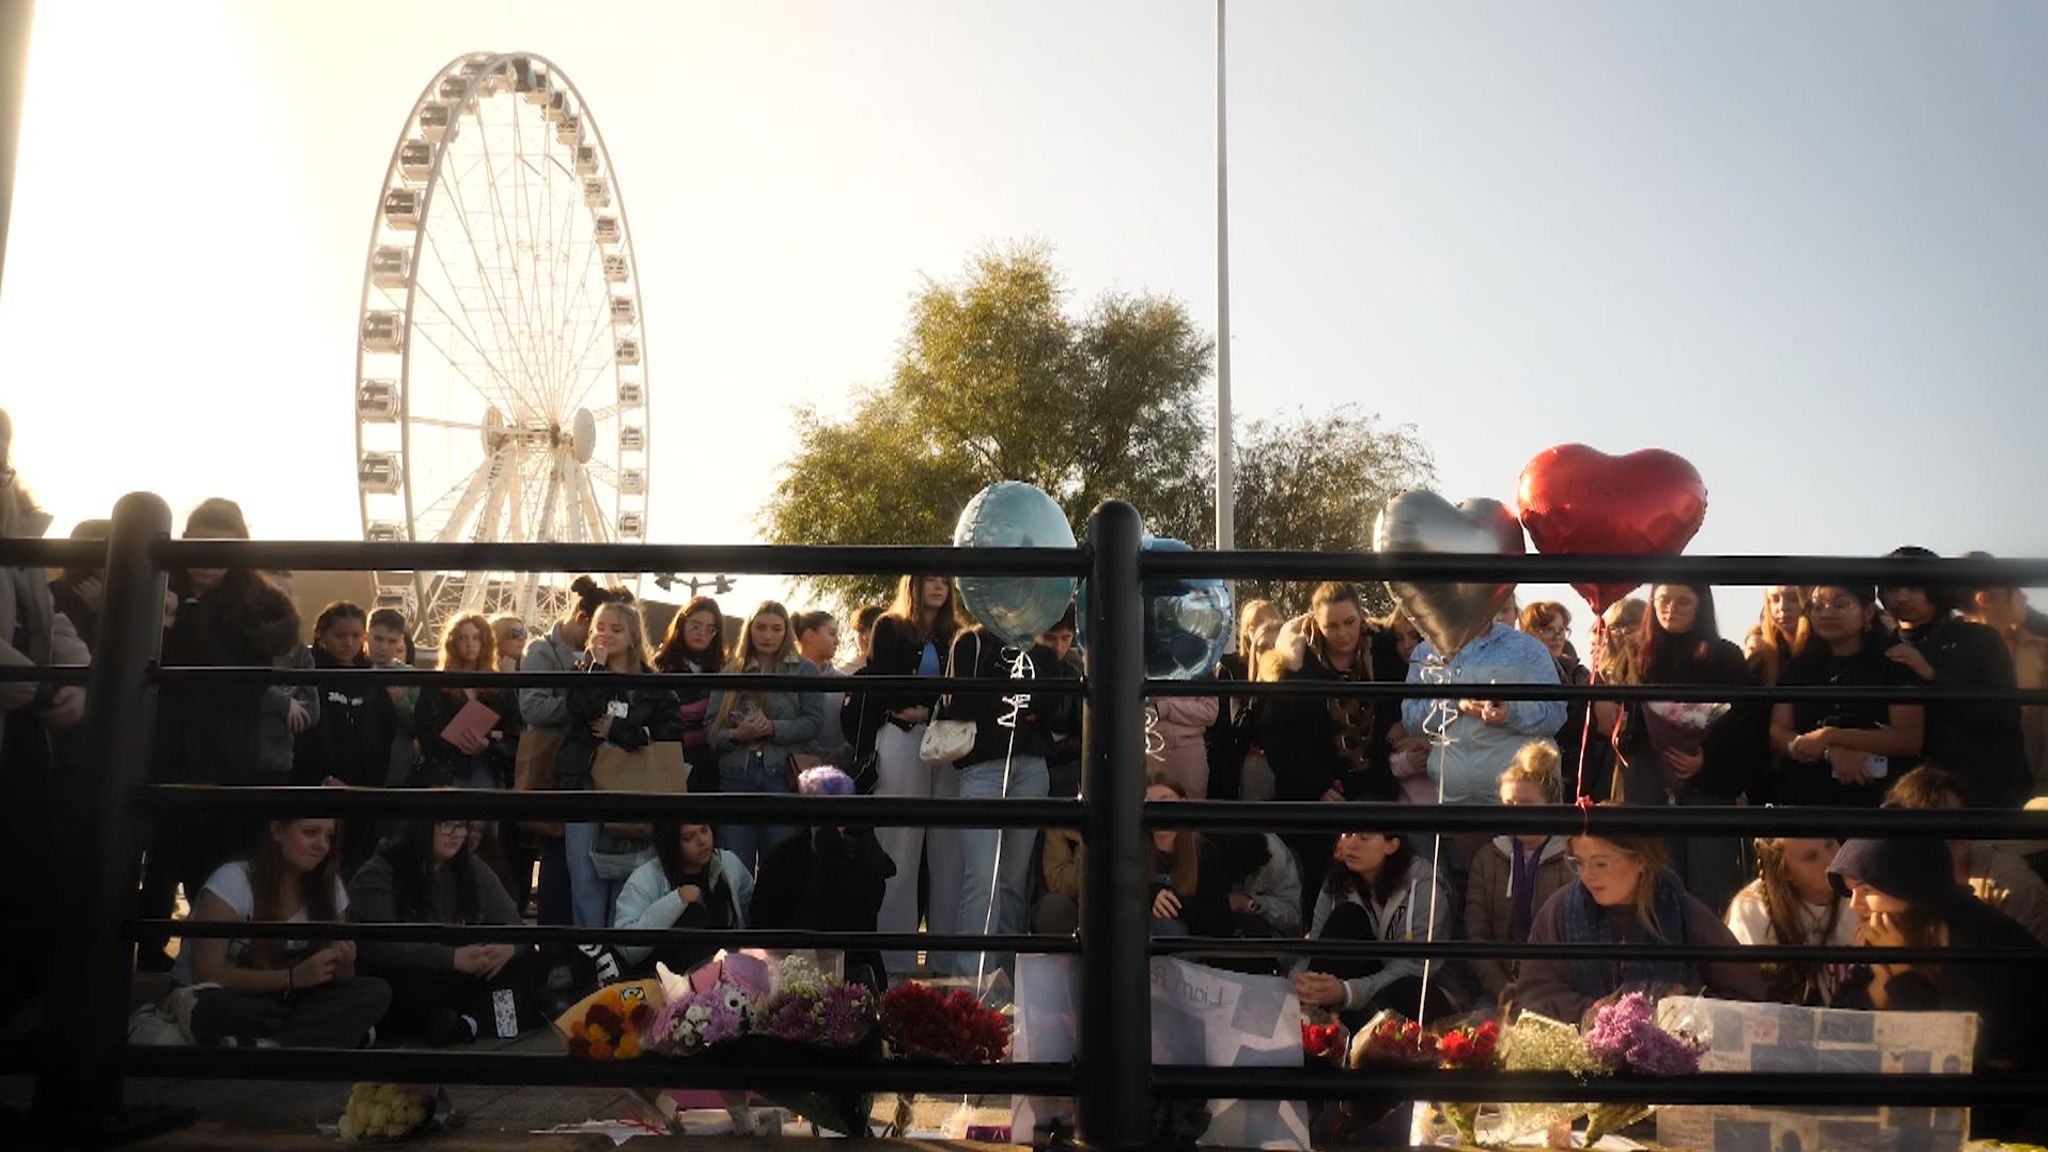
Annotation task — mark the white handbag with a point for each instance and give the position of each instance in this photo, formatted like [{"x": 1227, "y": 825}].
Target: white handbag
[{"x": 949, "y": 740}]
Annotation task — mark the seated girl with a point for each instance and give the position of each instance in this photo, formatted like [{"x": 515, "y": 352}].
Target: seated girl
[
  {"x": 289, "y": 993},
  {"x": 1190, "y": 891},
  {"x": 690, "y": 883},
  {"x": 1904, "y": 895},
  {"x": 429, "y": 874},
  {"x": 1377, "y": 888},
  {"x": 1792, "y": 901},
  {"x": 1624, "y": 893},
  {"x": 1513, "y": 876}
]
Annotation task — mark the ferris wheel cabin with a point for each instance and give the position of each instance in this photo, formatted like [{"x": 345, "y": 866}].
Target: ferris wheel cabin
[
  {"x": 403, "y": 208},
  {"x": 616, "y": 269},
  {"x": 390, "y": 266},
  {"x": 379, "y": 473},
  {"x": 570, "y": 131},
  {"x": 416, "y": 159},
  {"x": 597, "y": 192},
  {"x": 586, "y": 159},
  {"x": 632, "y": 439},
  {"x": 607, "y": 229},
  {"x": 384, "y": 332},
  {"x": 632, "y": 393},
  {"x": 377, "y": 401},
  {"x": 627, "y": 351},
  {"x": 384, "y": 532},
  {"x": 633, "y": 481},
  {"x": 436, "y": 119},
  {"x": 622, "y": 311},
  {"x": 631, "y": 525}
]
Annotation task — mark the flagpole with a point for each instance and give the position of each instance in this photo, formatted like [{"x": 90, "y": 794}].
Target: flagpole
[{"x": 1226, "y": 510}]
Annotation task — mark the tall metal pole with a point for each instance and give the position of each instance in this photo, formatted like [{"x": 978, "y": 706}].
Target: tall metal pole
[
  {"x": 78, "y": 1083},
  {"x": 1116, "y": 1004},
  {"x": 17, "y": 17},
  {"x": 1226, "y": 459}
]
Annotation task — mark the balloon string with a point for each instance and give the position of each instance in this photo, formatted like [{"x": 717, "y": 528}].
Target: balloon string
[
  {"x": 1436, "y": 671},
  {"x": 1020, "y": 669}
]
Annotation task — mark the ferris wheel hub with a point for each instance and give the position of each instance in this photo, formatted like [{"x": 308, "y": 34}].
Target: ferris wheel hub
[{"x": 583, "y": 436}]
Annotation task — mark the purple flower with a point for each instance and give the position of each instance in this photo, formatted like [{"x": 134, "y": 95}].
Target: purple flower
[
  {"x": 1625, "y": 1037},
  {"x": 790, "y": 1017},
  {"x": 848, "y": 1013}
]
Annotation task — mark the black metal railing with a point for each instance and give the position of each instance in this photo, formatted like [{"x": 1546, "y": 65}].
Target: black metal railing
[{"x": 81, "y": 1069}]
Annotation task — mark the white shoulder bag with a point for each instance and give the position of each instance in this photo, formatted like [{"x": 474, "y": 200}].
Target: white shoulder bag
[{"x": 949, "y": 740}]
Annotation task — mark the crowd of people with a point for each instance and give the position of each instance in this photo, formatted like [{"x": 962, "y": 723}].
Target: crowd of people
[{"x": 841, "y": 739}]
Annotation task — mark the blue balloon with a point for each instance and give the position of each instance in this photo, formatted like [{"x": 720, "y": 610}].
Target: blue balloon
[
  {"x": 1011, "y": 514},
  {"x": 1187, "y": 622}
]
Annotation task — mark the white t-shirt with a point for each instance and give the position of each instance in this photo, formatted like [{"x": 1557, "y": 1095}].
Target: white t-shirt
[{"x": 230, "y": 885}]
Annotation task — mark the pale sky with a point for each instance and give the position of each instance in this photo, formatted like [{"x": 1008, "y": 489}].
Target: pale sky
[{"x": 1803, "y": 245}]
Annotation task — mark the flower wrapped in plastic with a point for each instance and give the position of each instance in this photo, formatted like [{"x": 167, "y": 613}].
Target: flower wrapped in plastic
[
  {"x": 1679, "y": 726},
  {"x": 381, "y": 1113},
  {"x": 613, "y": 1023},
  {"x": 956, "y": 1028},
  {"x": 1324, "y": 1042},
  {"x": 1626, "y": 1038},
  {"x": 1391, "y": 1039},
  {"x": 1537, "y": 1043},
  {"x": 1469, "y": 1047},
  {"x": 698, "y": 1019}
]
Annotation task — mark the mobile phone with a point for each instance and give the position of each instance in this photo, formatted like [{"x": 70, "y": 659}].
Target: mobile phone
[{"x": 1876, "y": 766}]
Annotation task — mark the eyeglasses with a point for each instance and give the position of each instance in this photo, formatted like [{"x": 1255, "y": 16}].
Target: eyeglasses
[
  {"x": 1596, "y": 865},
  {"x": 451, "y": 827},
  {"x": 1831, "y": 606},
  {"x": 1554, "y": 632}
]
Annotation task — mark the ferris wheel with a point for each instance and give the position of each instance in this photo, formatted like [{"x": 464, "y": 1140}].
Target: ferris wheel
[{"x": 501, "y": 362}]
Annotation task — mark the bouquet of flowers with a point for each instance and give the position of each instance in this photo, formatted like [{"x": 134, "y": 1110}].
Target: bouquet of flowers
[
  {"x": 386, "y": 1112},
  {"x": 613, "y": 1023},
  {"x": 1625, "y": 1038},
  {"x": 1324, "y": 1043},
  {"x": 1536, "y": 1043},
  {"x": 1390, "y": 1038},
  {"x": 1675, "y": 726},
  {"x": 699, "y": 1019},
  {"x": 955, "y": 1028},
  {"x": 1467, "y": 1047}
]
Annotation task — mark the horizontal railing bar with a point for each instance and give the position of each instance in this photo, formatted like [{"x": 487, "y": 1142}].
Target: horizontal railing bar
[
  {"x": 564, "y": 934},
  {"x": 1538, "y": 569},
  {"x": 743, "y": 559},
  {"x": 45, "y": 673},
  {"x": 406, "y": 1066},
  {"x": 576, "y": 807},
  {"x": 926, "y": 686},
  {"x": 1773, "y": 1088},
  {"x": 77, "y": 555},
  {"x": 1509, "y": 950},
  {"x": 1781, "y": 693},
  {"x": 1513, "y": 820}
]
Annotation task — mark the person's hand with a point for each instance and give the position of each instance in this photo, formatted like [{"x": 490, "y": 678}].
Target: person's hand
[
  {"x": 333, "y": 782},
  {"x": 1493, "y": 712},
  {"x": 599, "y": 651},
  {"x": 469, "y": 743},
  {"x": 1333, "y": 795},
  {"x": 67, "y": 707},
  {"x": 1809, "y": 746},
  {"x": 299, "y": 717},
  {"x": 1239, "y": 902},
  {"x": 1166, "y": 905},
  {"x": 92, "y": 590},
  {"x": 344, "y": 958},
  {"x": 912, "y": 716},
  {"x": 1685, "y": 765},
  {"x": 1318, "y": 990},
  {"x": 496, "y": 956},
  {"x": 1910, "y": 656},
  {"x": 1849, "y": 766},
  {"x": 473, "y": 959},
  {"x": 756, "y": 727},
  {"x": 690, "y": 894},
  {"x": 315, "y": 970},
  {"x": 1416, "y": 748},
  {"x": 602, "y": 726},
  {"x": 170, "y": 608}
]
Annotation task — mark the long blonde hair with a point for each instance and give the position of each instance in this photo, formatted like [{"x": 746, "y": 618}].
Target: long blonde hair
[
  {"x": 1794, "y": 982},
  {"x": 636, "y": 629},
  {"x": 1248, "y": 629},
  {"x": 1621, "y": 645},
  {"x": 1774, "y": 649},
  {"x": 744, "y": 658}
]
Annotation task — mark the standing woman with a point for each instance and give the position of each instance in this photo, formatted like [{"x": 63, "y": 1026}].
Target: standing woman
[
  {"x": 912, "y": 639},
  {"x": 602, "y": 714},
  {"x": 510, "y": 633},
  {"x": 464, "y": 759},
  {"x": 817, "y": 640},
  {"x": 544, "y": 712},
  {"x": 292, "y": 993},
  {"x": 1829, "y": 746},
  {"x": 695, "y": 645},
  {"x": 1238, "y": 747},
  {"x": 2004, "y": 611},
  {"x": 1551, "y": 622},
  {"x": 1662, "y": 763},
  {"x": 1780, "y": 633},
  {"x": 758, "y": 734}
]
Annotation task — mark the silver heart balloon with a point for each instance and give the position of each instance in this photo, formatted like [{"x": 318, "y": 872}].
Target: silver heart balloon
[{"x": 1449, "y": 615}]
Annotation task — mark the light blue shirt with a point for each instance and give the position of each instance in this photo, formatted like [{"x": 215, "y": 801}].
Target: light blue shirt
[{"x": 1469, "y": 767}]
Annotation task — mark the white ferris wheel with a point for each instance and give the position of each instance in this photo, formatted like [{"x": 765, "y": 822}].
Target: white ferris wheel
[{"x": 501, "y": 365}]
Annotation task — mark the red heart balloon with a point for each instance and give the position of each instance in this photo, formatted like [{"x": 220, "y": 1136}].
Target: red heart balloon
[{"x": 1577, "y": 500}]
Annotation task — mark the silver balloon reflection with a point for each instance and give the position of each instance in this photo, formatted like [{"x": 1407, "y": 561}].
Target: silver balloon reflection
[{"x": 1449, "y": 615}]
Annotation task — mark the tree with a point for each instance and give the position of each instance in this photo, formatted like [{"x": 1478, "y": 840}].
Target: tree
[
  {"x": 995, "y": 381},
  {"x": 1317, "y": 483}
]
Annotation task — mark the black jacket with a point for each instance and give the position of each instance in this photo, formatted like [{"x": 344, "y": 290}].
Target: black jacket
[
  {"x": 83, "y": 617},
  {"x": 443, "y": 765},
  {"x": 351, "y": 741},
  {"x": 212, "y": 734},
  {"x": 1206, "y": 910},
  {"x": 979, "y": 654},
  {"x": 1299, "y": 735},
  {"x": 1725, "y": 750},
  {"x": 1981, "y": 743},
  {"x": 829, "y": 880},
  {"x": 652, "y": 714}
]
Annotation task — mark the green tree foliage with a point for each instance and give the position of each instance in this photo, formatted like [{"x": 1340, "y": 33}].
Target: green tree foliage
[
  {"x": 996, "y": 381},
  {"x": 1316, "y": 483}
]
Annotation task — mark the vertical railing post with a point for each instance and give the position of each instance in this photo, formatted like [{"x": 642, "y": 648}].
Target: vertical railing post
[
  {"x": 1116, "y": 1004},
  {"x": 96, "y": 872}
]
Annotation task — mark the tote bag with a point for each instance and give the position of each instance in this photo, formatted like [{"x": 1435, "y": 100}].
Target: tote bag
[
  {"x": 657, "y": 767},
  {"x": 535, "y": 772}
]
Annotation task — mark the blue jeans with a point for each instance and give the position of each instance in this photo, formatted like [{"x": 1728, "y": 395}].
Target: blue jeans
[
  {"x": 978, "y": 846},
  {"x": 591, "y": 897},
  {"x": 753, "y": 842}
]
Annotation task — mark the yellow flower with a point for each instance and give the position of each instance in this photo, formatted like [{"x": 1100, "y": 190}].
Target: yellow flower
[
  {"x": 595, "y": 1034},
  {"x": 629, "y": 1048}
]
